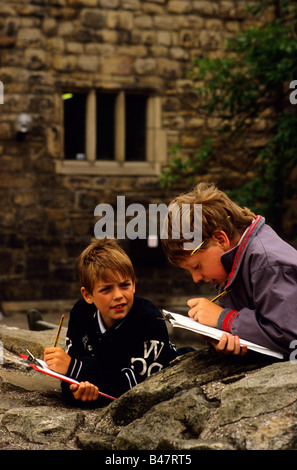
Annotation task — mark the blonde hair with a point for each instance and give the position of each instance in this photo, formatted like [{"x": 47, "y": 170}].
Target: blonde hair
[
  {"x": 104, "y": 260},
  {"x": 218, "y": 213}
]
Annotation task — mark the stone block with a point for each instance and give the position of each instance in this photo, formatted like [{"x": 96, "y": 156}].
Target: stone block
[
  {"x": 133, "y": 51},
  {"x": 49, "y": 26},
  {"x": 29, "y": 37},
  {"x": 120, "y": 19},
  {"x": 178, "y": 53},
  {"x": 131, "y": 4},
  {"x": 74, "y": 47},
  {"x": 166, "y": 22},
  {"x": 190, "y": 140},
  {"x": 53, "y": 141},
  {"x": 37, "y": 423},
  {"x": 169, "y": 69},
  {"x": 55, "y": 44},
  {"x": 143, "y": 22},
  {"x": 179, "y": 6},
  {"x": 6, "y": 262},
  {"x": 6, "y": 131},
  {"x": 35, "y": 59},
  {"x": 164, "y": 38},
  {"x": 88, "y": 63},
  {"x": 109, "y": 3},
  {"x": 227, "y": 9},
  {"x": 65, "y": 28},
  {"x": 83, "y": 3},
  {"x": 116, "y": 66},
  {"x": 152, "y": 8},
  {"x": 24, "y": 198},
  {"x": 93, "y": 18},
  {"x": 107, "y": 36},
  {"x": 206, "y": 8},
  {"x": 145, "y": 66},
  {"x": 64, "y": 63}
]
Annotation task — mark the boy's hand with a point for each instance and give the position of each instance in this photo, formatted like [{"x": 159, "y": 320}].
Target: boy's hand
[
  {"x": 84, "y": 391},
  {"x": 207, "y": 313},
  {"x": 204, "y": 311},
  {"x": 228, "y": 344},
  {"x": 57, "y": 360}
]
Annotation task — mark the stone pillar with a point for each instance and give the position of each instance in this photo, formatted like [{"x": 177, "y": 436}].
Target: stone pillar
[
  {"x": 91, "y": 126},
  {"x": 120, "y": 127}
]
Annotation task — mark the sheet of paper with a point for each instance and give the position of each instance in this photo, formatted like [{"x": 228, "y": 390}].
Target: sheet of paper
[
  {"x": 181, "y": 321},
  {"x": 44, "y": 369}
]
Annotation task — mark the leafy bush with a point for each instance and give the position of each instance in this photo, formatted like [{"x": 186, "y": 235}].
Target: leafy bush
[{"x": 254, "y": 78}]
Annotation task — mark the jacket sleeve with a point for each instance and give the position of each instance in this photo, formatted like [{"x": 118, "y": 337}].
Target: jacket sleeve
[{"x": 272, "y": 322}]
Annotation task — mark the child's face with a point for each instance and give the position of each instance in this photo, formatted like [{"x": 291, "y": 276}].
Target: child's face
[
  {"x": 113, "y": 299},
  {"x": 206, "y": 265}
]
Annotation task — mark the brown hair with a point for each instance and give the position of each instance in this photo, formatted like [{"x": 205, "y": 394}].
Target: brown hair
[
  {"x": 104, "y": 260},
  {"x": 218, "y": 213}
]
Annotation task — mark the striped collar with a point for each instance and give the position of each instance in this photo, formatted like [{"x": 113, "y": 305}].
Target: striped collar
[
  {"x": 237, "y": 253},
  {"x": 101, "y": 324}
]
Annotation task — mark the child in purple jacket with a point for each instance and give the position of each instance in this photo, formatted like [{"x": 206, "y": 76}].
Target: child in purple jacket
[{"x": 249, "y": 262}]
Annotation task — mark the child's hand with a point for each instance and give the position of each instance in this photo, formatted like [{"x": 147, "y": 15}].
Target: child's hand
[
  {"x": 204, "y": 311},
  {"x": 84, "y": 391},
  {"x": 57, "y": 360},
  {"x": 228, "y": 344}
]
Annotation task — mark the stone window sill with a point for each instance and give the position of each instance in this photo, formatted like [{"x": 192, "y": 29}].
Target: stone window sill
[{"x": 73, "y": 167}]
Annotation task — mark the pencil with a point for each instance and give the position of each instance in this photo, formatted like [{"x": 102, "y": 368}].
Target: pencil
[
  {"x": 220, "y": 295},
  {"x": 59, "y": 330}
]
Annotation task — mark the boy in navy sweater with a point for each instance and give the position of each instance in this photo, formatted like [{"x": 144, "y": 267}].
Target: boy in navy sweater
[{"x": 114, "y": 339}]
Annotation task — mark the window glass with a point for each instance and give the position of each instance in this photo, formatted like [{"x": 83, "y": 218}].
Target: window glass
[
  {"x": 74, "y": 125},
  {"x": 132, "y": 141},
  {"x": 106, "y": 126},
  {"x": 136, "y": 127}
]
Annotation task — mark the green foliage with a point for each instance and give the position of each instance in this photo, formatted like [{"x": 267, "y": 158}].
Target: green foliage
[
  {"x": 254, "y": 77},
  {"x": 185, "y": 169}
]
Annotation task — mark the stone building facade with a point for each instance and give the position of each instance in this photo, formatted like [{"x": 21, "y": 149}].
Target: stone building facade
[{"x": 105, "y": 86}]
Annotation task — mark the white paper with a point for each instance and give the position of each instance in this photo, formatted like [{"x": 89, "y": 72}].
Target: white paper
[{"x": 46, "y": 370}]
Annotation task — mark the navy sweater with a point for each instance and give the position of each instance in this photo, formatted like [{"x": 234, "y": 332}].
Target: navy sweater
[{"x": 122, "y": 356}]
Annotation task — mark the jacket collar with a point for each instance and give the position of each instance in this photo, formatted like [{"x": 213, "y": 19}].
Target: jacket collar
[{"x": 233, "y": 258}]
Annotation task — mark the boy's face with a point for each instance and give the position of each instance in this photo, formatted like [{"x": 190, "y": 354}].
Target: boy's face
[
  {"x": 113, "y": 299},
  {"x": 205, "y": 265}
]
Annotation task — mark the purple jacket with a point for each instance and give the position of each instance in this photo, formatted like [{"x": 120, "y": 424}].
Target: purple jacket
[{"x": 262, "y": 276}]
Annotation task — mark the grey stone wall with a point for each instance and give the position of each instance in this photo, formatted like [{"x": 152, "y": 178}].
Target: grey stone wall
[{"x": 47, "y": 217}]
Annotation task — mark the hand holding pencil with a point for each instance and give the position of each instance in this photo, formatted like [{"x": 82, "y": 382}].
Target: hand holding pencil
[
  {"x": 204, "y": 311},
  {"x": 58, "y": 361},
  {"x": 207, "y": 312},
  {"x": 56, "y": 358},
  {"x": 59, "y": 330}
]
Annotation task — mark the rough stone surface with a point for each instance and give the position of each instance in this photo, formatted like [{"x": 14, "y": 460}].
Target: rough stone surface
[{"x": 202, "y": 401}]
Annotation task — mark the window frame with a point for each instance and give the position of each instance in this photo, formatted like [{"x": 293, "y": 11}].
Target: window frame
[{"x": 156, "y": 140}]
